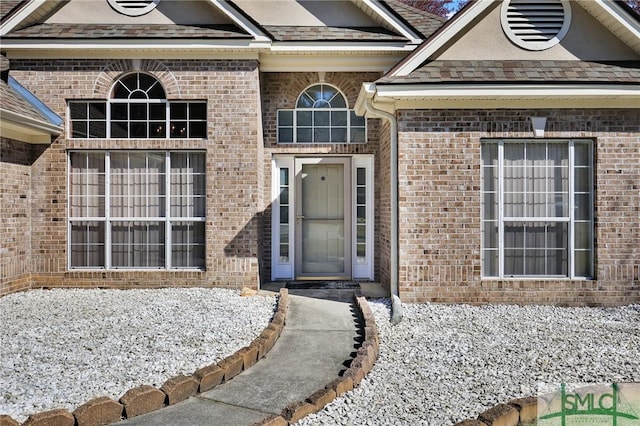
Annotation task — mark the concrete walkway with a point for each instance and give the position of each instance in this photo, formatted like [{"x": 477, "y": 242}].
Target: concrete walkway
[{"x": 318, "y": 341}]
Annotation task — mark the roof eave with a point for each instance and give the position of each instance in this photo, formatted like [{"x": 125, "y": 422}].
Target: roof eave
[
  {"x": 27, "y": 129},
  {"x": 485, "y": 96}
]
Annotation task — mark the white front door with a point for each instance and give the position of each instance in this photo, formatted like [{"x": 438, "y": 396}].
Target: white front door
[
  {"x": 322, "y": 217},
  {"x": 323, "y": 212}
]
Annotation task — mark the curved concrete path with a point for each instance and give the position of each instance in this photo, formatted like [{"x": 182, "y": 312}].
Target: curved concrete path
[{"x": 317, "y": 343}]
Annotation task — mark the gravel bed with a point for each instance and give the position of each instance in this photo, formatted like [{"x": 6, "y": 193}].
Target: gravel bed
[
  {"x": 61, "y": 348},
  {"x": 445, "y": 363}
]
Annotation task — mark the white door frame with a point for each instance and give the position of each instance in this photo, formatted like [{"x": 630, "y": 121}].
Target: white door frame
[{"x": 283, "y": 215}]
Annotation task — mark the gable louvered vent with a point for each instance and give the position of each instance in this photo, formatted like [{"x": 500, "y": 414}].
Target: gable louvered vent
[
  {"x": 535, "y": 24},
  {"x": 134, "y": 7}
]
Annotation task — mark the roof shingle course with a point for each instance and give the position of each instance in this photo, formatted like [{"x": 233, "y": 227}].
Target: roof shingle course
[
  {"x": 426, "y": 23},
  {"x": 520, "y": 71},
  {"x": 159, "y": 31},
  {"x": 329, "y": 33}
]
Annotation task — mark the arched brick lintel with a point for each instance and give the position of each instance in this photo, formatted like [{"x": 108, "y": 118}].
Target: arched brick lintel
[{"x": 111, "y": 72}]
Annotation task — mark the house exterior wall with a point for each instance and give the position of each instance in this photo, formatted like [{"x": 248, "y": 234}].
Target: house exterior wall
[
  {"x": 587, "y": 39},
  {"x": 281, "y": 91},
  {"x": 15, "y": 209},
  {"x": 231, "y": 89},
  {"x": 440, "y": 237}
]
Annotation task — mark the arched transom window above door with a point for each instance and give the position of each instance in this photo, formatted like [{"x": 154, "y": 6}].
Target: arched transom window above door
[{"x": 321, "y": 116}]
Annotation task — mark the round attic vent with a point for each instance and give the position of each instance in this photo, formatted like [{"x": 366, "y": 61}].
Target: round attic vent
[
  {"x": 133, "y": 7},
  {"x": 535, "y": 24}
]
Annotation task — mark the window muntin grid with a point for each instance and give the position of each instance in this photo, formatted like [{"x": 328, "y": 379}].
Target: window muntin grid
[
  {"x": 537, "y": 215},
  {"x": 361, "y": 215},
  {"x": 284, "y": 199},
  {"x": 136, "y": 210},
  {"x": 137, "y": 109},
  {"x": 321, "y": 116}
]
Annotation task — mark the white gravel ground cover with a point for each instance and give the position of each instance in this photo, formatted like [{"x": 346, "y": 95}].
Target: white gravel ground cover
[
  {"x": 445, "y": 363},
  {"x": 61, "y": 348}
]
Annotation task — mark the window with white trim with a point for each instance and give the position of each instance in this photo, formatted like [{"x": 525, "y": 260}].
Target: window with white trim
[
  {"x": 137, "y": 109},
  {"x": 537, "y": 208},
  {"x": 321, "y": 116},
  {"x": 137, "y": 210}
]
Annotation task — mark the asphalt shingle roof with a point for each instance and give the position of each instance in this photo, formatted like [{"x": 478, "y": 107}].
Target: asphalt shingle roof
[
  {"x": 7, "y": 6},
  {"x": 303, "y": 33},
  {"x": 12, "y": 101},
  {"x": 425, "y": 22},
  {"x": 117, "y": 31},
  {"x": 520, "y": 72}
]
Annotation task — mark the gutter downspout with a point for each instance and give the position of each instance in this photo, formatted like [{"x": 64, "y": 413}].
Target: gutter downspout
[{"x": 396, "y": 304}]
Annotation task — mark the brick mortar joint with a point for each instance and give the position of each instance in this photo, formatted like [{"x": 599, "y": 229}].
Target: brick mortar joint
[{"x": 281, "y": 307}]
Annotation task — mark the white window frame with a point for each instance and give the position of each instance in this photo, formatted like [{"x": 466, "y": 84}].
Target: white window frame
[
  {"x": 294, "y": 126},
  {"x": 108, "y": 219},
  {"x": 570, "y": 219}
]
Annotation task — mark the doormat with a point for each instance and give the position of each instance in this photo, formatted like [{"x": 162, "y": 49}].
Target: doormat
[{"x": 323, "y": 285}]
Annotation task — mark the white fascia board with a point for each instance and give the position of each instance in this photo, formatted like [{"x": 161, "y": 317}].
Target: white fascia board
[
  {"x": 497, "y": 96},
  {"x": 240, "y": 20},
  {"x": 22, "y": 14},
  {"x": 337, "y": 46},
  {"x": 132, "y": 48},
  {"x": 329, "y": 63},
  {"x": 26, "y": 129},
  {"x": 394, "y": 22},
  {"x": 490, "y": 91},
  {"x": 424, "y": 52}
]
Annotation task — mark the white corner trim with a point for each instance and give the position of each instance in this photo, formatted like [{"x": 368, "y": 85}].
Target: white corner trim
[
  {"x": 436, "y": 42},
  {"x": 22, "y": 14},
  {"x": 539, "y": 125},
  {"x": 392, "y": 21},
  {"x": 240, "y": 20}
]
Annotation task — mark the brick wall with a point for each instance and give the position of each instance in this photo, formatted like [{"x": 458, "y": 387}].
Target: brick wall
[
  {"x": 281, "y": 91},
  {"x": 15, "y": 210},
  {"x": 439, "y": 168},
  {"x": 233, "y": 149}
]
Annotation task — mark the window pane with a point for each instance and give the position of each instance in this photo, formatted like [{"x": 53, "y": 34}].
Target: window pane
[
  {"x": 198, "y": 130},
  {"x": 358, "y": 135},
  {"x": 583, "y": 262},
  {"x": 188, "y": 248},
  {"x": 339, "y": 118},
  {"x": 178, "y": 111},
  {"x": 321, "y": 135},
  {"x": 284, "y": 195},
  {"x": 137, "y": 245},
  {"x": 138, "y": 130},
  {"x": 303, "y": 118},
  {"x": 138, "y": 111},
  {"x": 361, "y": 176},
  {"x": 304, "y": 135},
  {"x": 119, "y": 129},
  {"x": 356, "y": 120},
  {"x": 582, "y": 179},
  {"x": 87, "y": 245},
  {"x": 157, "y": 111},
  {"x": 157, "y": 129},
  {"x": 582, "y": 207},
  {"x": 98, "y": 129},
  {"x": 79, "y": 129},
  {"x": 490, "y": 263},
  {"x": 582, "y": 154},
  {"x": 338, "y": 135},
  {"x": 178, "y": 129},
  {"x": 490, "y": 235},
  {"x": 490, "y": 154},
  {"x": 198, "y": 111},
  {"x": 119, "y": 111},
  {"x": 98, "y": 110},
  {"x": 285, "y": 135},
  {"x": 321, "y": 118},
  {"x": 582, "y": 235},
  {"x": 285, "y": 118},
  {"x": 78, "y": 110}
]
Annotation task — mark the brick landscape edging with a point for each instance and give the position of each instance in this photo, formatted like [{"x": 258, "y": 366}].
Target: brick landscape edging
[
  {"x": 517, "y": 412},
  {"x": 144, "y": 399},
  {"x": 359, "y": 367}
]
